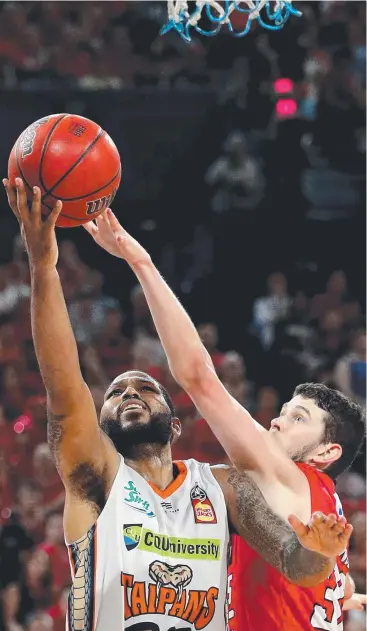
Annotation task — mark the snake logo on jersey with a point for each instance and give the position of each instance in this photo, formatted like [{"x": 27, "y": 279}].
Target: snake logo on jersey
[{"x": 167, "y": 595}]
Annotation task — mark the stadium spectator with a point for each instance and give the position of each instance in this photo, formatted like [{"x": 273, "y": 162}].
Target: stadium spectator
[
  {"x": 209, "y": 336},
  {"x": 55, "y": 549},
  {"x": 350, "y": 370},
  {"x": 235, "y": 176},
  {"x": 272, "y": 308}
]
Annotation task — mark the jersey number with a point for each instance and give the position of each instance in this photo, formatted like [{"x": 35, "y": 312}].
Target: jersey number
[{"x": 333, "y": 596}]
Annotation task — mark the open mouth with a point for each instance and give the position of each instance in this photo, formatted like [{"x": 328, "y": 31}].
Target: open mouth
[{"x": 130, "y": 406}]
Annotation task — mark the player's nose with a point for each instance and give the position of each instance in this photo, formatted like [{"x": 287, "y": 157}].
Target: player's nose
[
  {"x": 276, "y": 423},
  {"x": 129, "y": 393}
]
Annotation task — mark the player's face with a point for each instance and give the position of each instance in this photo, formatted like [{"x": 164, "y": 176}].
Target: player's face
[
  {"x": 135, "y": 412},
  {"x": 299, "y": 429}
]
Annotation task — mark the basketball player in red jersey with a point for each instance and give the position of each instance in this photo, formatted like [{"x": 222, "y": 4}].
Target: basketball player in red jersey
[{"x": 316, "y": 437}]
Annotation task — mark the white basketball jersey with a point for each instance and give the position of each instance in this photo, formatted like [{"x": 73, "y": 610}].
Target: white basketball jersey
[{"x": 155, "y": 560}]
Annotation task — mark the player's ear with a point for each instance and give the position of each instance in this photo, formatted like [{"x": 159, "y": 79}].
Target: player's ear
[
  {"x": 327, "y": 455},
  {"x": 176, "y": 429}
]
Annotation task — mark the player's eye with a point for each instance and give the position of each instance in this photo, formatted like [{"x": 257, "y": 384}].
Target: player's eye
[
  {"x": 114, "y": 393},
  {"x": 298, "y": 419},
  {"x": 147, "y": 388}
]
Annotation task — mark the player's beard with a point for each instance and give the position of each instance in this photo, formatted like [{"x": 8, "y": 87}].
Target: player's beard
[
  {"x": 130, "y": 439},
  {"x": 302, "y": 454}
]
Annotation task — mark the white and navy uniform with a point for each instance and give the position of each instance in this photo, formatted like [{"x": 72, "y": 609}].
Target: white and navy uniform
[{"x": 154, "y": 560}]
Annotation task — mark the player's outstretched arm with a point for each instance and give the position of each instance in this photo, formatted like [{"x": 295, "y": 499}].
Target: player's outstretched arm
[
  {"x": 73, "y": 431},
  {"x": 188, "y": 359},
  {"x": 304, "y": 554}
]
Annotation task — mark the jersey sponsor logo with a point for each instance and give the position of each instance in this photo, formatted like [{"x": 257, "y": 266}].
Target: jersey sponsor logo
[
  {"x": 166, "y": 595},
  {"x": 167, "y": 506},
  {"x": 135, "y": 500},
  {"x": 27, "y": 140},
  {"x": 338, "y": 505},
  {"x": 203, "y": 508},
  {"x": 135, "y": 536},
  {"x": 132, "y": 535}
]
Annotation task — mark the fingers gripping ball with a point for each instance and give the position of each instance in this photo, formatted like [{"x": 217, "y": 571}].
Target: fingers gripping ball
[{"x": 72, "y": 159}]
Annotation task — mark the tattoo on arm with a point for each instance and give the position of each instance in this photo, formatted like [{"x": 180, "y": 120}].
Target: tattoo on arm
[
  {"x": 269, "y": 534},
  {"x": 54, "y": 431},
  {"x": 84, "y": 479}
]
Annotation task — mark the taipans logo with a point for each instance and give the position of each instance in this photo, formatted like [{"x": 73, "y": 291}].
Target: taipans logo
[
  {"x": 135, "y": 536},
  {"x": 202, "y": 506},
  {"x": 135, "y": 500},
  {"x": 166, "y": 595},
  {"x": 27, "y": 138}
]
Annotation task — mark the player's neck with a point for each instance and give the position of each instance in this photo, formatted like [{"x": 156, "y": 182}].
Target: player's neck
[{"x": 154, "y": 464}]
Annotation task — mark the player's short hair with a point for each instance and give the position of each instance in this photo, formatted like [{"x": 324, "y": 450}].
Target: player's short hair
[
  {"x": 167, "y": 399},
  {"x": 344, "y": 422}
]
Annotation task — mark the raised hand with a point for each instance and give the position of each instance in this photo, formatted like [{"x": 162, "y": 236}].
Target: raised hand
[
  {"x": 356, "y": 602},
  {"x": 38, "y": 233},
  {"x": 111, "y": 236},
  {"x": 327, "y": 535}
]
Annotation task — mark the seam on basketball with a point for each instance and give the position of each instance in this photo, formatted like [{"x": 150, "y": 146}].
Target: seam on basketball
[
  {"x": 86, "y": 151},
  {"x": 43, "y": 152},
  {"x": 74, "y": 199}
]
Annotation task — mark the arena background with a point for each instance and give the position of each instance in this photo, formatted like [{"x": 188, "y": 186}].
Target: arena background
[{"x": 244, "y": 176}]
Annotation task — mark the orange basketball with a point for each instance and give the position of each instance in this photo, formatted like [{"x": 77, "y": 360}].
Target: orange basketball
[{"x": 70, "y": 158}]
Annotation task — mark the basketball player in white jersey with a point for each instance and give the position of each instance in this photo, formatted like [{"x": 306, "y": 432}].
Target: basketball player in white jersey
[{"x": 147, "y": 537}]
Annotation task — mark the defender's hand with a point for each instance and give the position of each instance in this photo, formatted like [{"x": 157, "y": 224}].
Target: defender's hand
[
  {"x": 111, "y": 236},
  {"x": 38, "y": 233},
  {"x": 327, "y": 535},
  {"x": 357, "y": 602}
]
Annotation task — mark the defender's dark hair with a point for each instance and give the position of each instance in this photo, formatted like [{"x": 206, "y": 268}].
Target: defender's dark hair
[{"x": 345, "y": 422}]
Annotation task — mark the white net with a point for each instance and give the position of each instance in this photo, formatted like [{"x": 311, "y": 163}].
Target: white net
[{"x": 184, "y": 16}]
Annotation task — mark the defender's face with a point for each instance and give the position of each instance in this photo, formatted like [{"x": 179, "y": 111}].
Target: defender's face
[{"x": 299, "y": 428}]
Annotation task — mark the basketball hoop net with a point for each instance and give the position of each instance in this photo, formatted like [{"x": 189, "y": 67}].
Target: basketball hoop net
[{"x": 270, "y": 15}]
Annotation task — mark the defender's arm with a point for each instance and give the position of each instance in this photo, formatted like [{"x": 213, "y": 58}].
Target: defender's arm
[
  {"x": 189, "y": 361},
  {"x": 272, "y": 537}
]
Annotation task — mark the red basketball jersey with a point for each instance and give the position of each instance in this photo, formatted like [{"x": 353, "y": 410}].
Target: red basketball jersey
[{"x": 261, "y": 599}]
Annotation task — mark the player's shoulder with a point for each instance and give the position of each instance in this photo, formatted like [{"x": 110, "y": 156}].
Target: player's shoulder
[
  {"x": 191, "y": 464},
  {"x": 218, "y": 473}
]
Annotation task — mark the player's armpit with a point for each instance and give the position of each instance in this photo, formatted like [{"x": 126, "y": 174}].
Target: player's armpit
[
  {"x": 87, "y": 463},
  {"x": 267, "y": 533}
]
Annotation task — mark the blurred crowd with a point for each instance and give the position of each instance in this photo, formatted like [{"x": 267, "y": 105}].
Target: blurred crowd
[
  {"x": 292, "y": 334},
  {"x": 299, "y": 337},
  {"x": 117, "y": 44}
]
